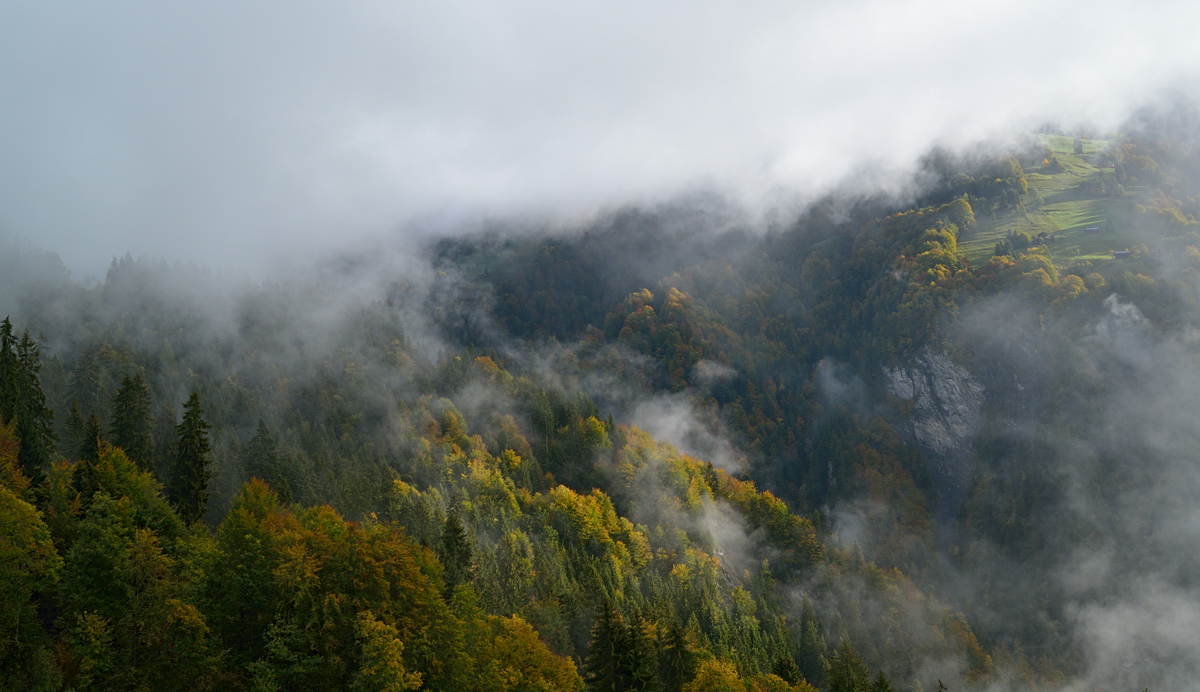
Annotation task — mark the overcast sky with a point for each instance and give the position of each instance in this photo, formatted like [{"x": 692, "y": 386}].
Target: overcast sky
[{"x": 235, "y": 133}]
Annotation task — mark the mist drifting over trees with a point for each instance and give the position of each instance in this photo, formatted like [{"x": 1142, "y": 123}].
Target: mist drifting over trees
[{"x": 599, "y": 348}]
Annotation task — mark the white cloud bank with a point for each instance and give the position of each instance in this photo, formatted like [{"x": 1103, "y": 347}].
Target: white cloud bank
[{"x": 231, "y": 133}]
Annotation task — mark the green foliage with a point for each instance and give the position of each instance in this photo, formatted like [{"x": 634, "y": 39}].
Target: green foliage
[
  {"x": 191, "y": 472},
  {"x": 132, "y": 428},
  {"x": 381, "y": 668},
  {"x": 23, "y": 401},
  {"x": 261, "y": 459},
  {"x": 455, "y": 553},
  {"x": 846, "y": 671}
]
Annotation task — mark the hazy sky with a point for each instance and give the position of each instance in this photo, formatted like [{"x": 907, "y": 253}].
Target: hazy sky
[{"x": 234, "y": 133}]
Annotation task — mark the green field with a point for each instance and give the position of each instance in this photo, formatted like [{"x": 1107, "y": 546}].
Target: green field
[{"x": 1065, "y": 213}]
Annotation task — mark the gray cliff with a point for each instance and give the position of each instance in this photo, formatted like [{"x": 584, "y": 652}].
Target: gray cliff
[{"x": 947, "y": 414}]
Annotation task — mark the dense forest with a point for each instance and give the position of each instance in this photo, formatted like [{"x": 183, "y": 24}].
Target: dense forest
[{"x": 938, "y": 442}]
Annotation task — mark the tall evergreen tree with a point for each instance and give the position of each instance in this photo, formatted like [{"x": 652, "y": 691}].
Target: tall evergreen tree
[
  {"x": 88, "y": 456},
  {"x": 641, "y": 662},
  {"x": 882, "y": 684},
  {"x": 604, "y": 670},
  {"x": 785, "y": 667},
  {"x": 84, "y": 382},
  {"x": 678, "y": 662},
  {"x": 810, "y": 657},
  {"x": 69, "y": 445},
  {"x": 846, "y": 671},
  {"x": 189, "y": 483},
  {"x": 132, "y": 429},
  {"x": 89, "y": 442},
  {"x": 22, "y": 401},
  {"x": 260, "y": 459},
  {"x": 10, "y": 372},
  {"x": 165, "y": 442},
  {"x": 455, "y": 552}
]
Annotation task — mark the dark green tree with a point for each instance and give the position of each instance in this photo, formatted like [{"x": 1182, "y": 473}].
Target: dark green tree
[
  {"x": 812, "y": 650},
  {"x": 10, "y": 372},
  {"x": 89, "y": 442},
  {"x": 23, "y": 401},
  {"x": 846, "y": 671},
  {"x": 882, "y": 684},
  {"x": 69, "y": 445},
  {"x": 189, "y": 482},
  {"x": 455, "y": 552},
  {"x": 260, "y": 459},
  {"x": 677, "y": 662},
  {"x": 641, "y": 660},
  {"x": 165, "y": 442},
  {"x": 132, "y": 429},
  {"x": 84, "y": 382},
  {"x": 604, "y": 669},
  {"x": 785, "y": 667},
  {"x": 88, "y": 455}
]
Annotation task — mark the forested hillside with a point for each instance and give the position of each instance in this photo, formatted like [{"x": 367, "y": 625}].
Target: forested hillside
[{"x": 938, "y": 442}]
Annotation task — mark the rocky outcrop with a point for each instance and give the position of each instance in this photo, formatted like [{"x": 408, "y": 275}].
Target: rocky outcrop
[{"x": 947, "y": 413}]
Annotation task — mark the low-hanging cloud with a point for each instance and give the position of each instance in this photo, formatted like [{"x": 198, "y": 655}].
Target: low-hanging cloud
[{"x": 237, "y": 134}]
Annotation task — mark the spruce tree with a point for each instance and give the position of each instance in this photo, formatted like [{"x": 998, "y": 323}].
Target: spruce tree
[
  {"x": 88, "y": 455},
  {"x": 35, "y": 421},
  {"x": 260, "y": 459},
  {"x": 785, "y": 667},
  {"x": 846, "y": 671},
  {"x": 189, "y": 483},
  {"x": 84, "y": 382},
  {"x": 455, "y": 553},
  {"x": 10, "y": 373},
  {"x": 641, "y": 661},
  {"x": 678, "y": 663},
  {"x": 810, "y": 657},
  {"x": 604, "y": 670},
  {"x": 882, "y": 684},
  {"x": 89, "y": 443},
  {"x": 165, "y": 443},
  {"x": 132, "y": 429},
  {"x": 69, "y": 446}
]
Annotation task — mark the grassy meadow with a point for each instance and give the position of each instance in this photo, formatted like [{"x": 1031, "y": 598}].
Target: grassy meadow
[{"x": 1065, "y": 212}]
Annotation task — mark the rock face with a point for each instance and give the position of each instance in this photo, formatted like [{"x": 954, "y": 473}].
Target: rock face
[{"x": 948, "y": 407}]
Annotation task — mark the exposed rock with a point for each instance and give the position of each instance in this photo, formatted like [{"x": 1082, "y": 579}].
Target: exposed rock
[{"x": 947, "y": 414}]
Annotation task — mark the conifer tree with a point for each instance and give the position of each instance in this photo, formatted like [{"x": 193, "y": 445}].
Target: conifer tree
[
  {"x": 678, "y": 662},
  {"x": 260, "y": 459},
  {"x": 640, "y": 657},
  {"x": 812, "y": 650},
  {"x": 22, "y": 401},
  {"x": 189, "y": 483},
  {"x": 785, "y": 667},
  {"x": 69, "y": 445},
  {"x": 882, "y": 684},
  {"x": 846, "y": 671},
  {"x": 84, "y": 382},
  {"x": 455, "y": 552},
  {"x": 10, "y": 372},
  {"x": 165, "y": 442},
  {"x": 89, "y": 442},
  {"x": 88, "y": 456},
  {"x": 131, "y": 426},
  {"x": 604, "y": 670}
]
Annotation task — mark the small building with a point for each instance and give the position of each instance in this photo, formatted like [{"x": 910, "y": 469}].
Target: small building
[
  {"x": 1122, "y": 254},
  {"x": 1092, "y": 230}
]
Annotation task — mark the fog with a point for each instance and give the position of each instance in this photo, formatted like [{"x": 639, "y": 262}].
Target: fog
[{"x": 240, "y": 136}]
